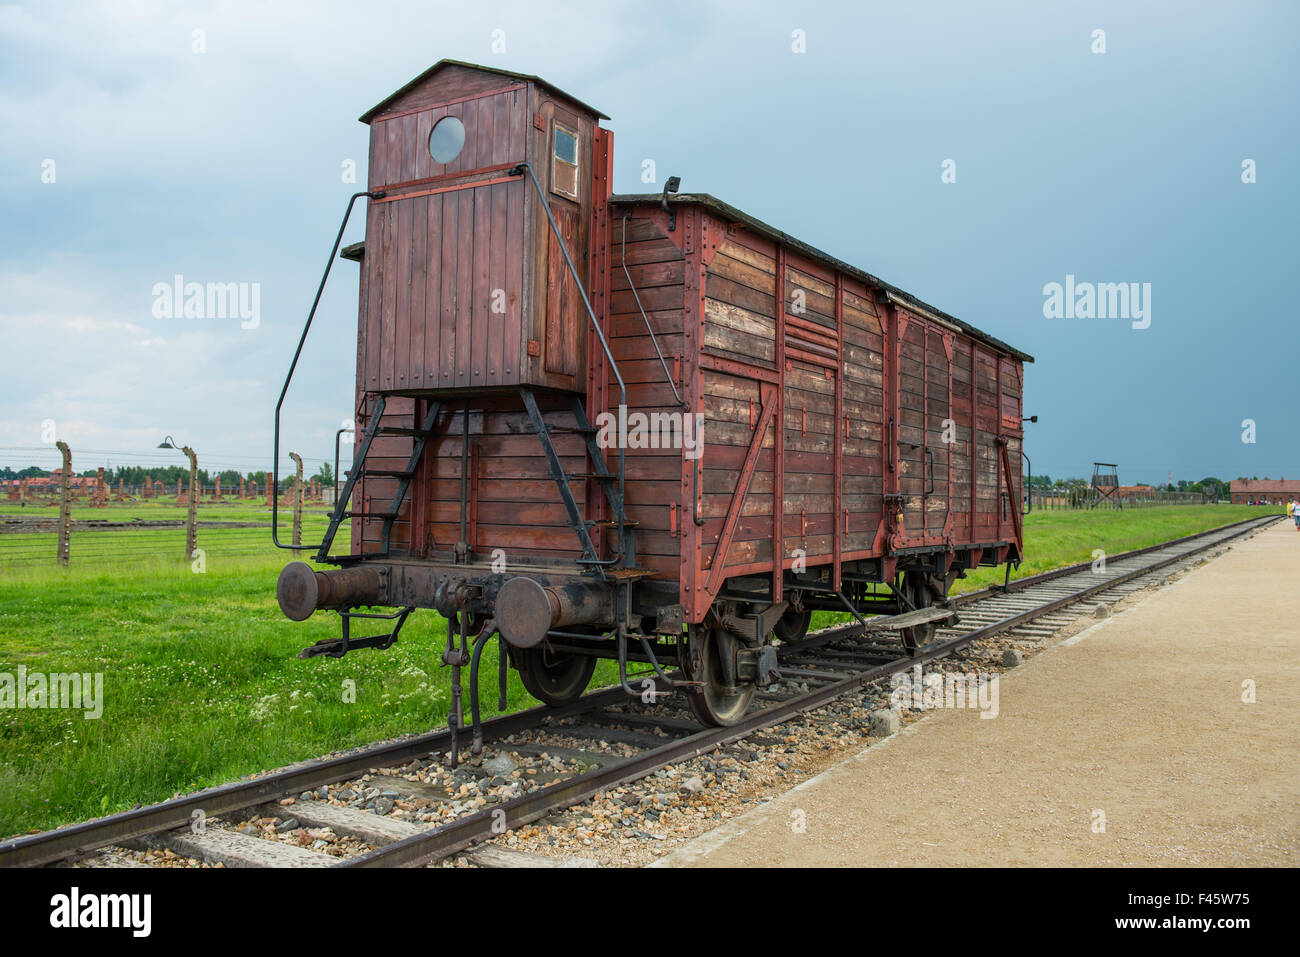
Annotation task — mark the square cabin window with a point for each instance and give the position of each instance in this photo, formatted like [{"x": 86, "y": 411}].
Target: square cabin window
[{"x": 564, "y": 162}]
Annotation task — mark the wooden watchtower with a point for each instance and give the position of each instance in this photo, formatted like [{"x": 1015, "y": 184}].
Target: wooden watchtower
[{"x": 1105, "y": 480}]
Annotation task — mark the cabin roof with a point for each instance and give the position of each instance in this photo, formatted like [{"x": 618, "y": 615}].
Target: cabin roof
[
  {"x": 370, "y": 114},
  {"x": 906, "y": 299}
]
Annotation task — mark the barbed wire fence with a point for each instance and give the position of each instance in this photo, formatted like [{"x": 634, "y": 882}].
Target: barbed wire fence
[
  {"x": 1056, "y": 499},
  {"x": 70, "y": 517}
]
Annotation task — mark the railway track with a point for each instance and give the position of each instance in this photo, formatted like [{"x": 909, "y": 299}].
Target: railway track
[{"x": 542, "y": 760}]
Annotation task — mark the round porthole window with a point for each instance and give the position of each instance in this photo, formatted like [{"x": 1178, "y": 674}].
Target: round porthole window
[{"x": 447, "y": 139}]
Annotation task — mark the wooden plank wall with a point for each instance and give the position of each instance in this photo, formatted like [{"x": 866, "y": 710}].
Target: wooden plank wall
[
  {"x": 864, "y": 411},
  {"x": 495, "y": 123},
  {"x": 1012, "y": 409},
  {"x": 432, "y": 264},
  {"x": 376, "y": 494},
  {"x": 740, "y": 322},
  {"x": 517, "y": 505},
  {"x": 433, "y": 259},
  {"x": 811, "y": 371},
  {"x": 962, "y": 451},
  {"x": 911, "y": 457},
  {"x": 653, "y": 491},
  {"x": 987, "y": 488},
  {"x": 739, "y": 325},
  {"x": 566, "y": 318}
]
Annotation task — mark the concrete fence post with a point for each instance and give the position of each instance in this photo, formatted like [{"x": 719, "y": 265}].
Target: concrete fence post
[
  {"x": 192, "y": 518},
  {"x": 297, "y": 497},
  {"x": 65, "y": 505}
]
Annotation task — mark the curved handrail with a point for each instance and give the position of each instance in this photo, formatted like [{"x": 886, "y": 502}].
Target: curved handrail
[
  {"x": 284, "y": 390},
  {"x": 654, "y": 341}
]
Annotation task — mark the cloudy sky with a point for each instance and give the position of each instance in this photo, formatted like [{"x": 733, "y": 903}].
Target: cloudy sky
[{"x": 133, "y": 149}]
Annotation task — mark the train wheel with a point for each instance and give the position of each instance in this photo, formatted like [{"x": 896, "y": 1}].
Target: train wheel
[
  {"x": 715, "y": 705},
  {"x": 916, "y": 587},
  {"x": 552, "y": 678},
  {"x": 793, "y": 625}
]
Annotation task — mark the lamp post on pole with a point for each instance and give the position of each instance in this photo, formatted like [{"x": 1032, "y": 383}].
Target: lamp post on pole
[
  {"x": 1029, "y": 491},
  {"x": 191, "y": 521}
]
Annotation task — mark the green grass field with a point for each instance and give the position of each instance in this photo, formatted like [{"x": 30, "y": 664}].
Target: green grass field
[{"x": 201, "y": 685}]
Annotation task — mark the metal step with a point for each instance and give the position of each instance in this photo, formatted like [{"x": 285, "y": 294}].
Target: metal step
[
  {"x": 910, "y": 619},
  {"x": 624, "y": 574}
]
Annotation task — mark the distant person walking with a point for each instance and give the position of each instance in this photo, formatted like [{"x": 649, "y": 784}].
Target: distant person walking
[{"x": 1293, "y": 509}]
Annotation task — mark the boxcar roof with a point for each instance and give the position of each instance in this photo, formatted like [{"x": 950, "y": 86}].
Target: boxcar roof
[
  {"x": 367, "y": 116},
  {"x": 906, "y": 299}
]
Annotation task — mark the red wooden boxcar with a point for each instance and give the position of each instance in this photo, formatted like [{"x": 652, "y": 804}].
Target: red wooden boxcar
[{"x": 646, "y": 427}]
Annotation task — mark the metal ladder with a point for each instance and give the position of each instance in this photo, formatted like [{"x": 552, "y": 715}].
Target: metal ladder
[
  {"x": 611, "y": 483},
  {"x": 421, "y": 433}
]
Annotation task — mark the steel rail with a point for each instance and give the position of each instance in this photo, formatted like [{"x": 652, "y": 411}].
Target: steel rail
[
  {"x": 49, "y": 846},
  {"x": 993, "y": 590},
  {"x": 853, "y": 629},
  {"x": 78, "y": 839}
]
